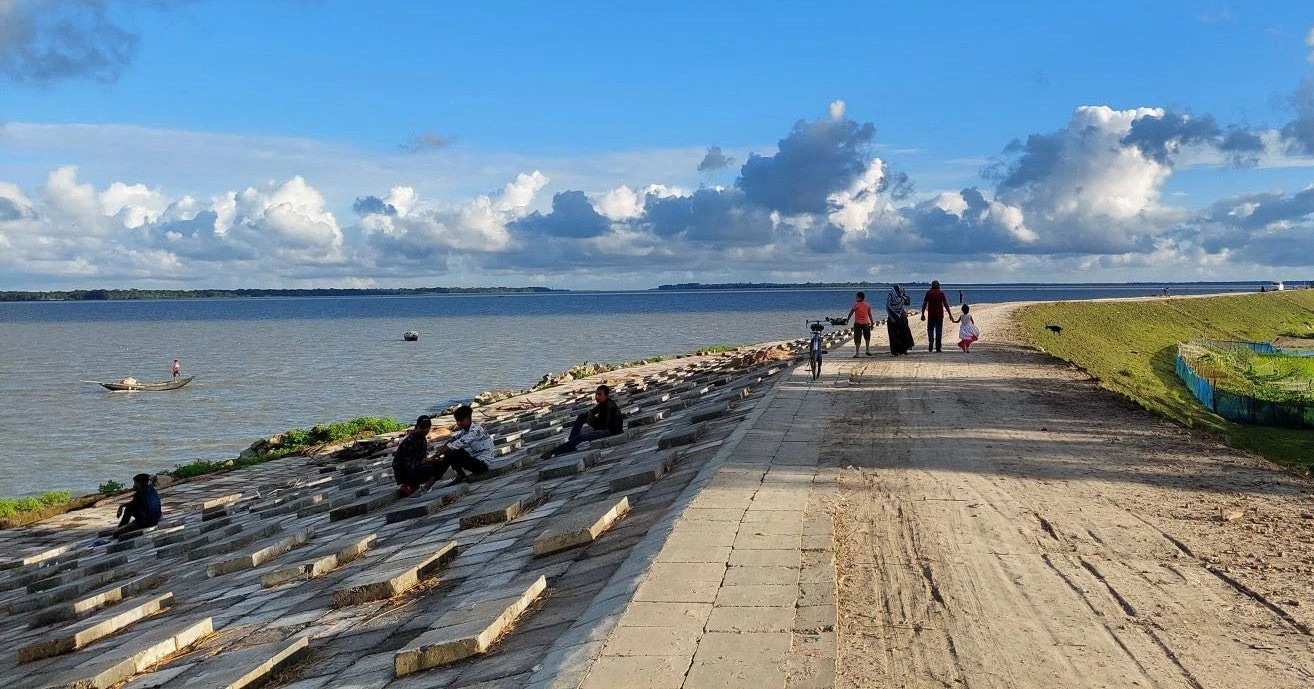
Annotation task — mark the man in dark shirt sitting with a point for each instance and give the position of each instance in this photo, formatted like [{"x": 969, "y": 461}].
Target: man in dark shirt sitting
[
  {"x": 605, "y": 419},
  {"x": 410, "y": 467},
  {"x": 143, "y": 510}
]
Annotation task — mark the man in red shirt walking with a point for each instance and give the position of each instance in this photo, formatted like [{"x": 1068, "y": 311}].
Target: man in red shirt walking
[{"x": 934, "y": 306}]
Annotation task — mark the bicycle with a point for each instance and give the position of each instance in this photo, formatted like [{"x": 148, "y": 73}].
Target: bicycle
[{"x": 815, "y": 347}]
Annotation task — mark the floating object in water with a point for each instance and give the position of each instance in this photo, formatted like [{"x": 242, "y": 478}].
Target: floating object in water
[
  {"x": 410, "y": 336},
  {"x": 132, "y": 384}
]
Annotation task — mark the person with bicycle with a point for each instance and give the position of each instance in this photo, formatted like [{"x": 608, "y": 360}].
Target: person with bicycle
[{"x": 862, "y": 322}]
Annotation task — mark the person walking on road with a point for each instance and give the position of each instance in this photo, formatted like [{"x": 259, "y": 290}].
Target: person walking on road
[
  {"x": 861, "y": 315},
  {"x": 967, "y": 330},
  {"x": 934, "y": 306},
  {"x": 896, "y": 321}
]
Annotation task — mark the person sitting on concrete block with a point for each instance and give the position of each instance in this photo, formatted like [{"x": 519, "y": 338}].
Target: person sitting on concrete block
[
  {"x": 410, "y": 465},
  {"x": 469, "y": 449},
  {"x": 143, "y": 510},
  {"x": 604, "y": 419}
]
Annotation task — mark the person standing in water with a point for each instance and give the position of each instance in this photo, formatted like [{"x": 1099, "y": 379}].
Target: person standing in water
[{"x": 177, "y": 368}]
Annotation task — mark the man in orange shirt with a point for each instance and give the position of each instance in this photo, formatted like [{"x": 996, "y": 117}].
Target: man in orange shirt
[{"x": 861, "y": 315}]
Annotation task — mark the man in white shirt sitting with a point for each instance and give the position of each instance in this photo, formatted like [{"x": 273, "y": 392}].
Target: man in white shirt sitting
[{"x": 469, "y": 449}]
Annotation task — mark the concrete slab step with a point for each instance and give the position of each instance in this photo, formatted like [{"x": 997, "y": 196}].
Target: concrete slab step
[
  {"x": 129, "y": 657},
  {"x": 468, "y": 630},
  {"x": 68, "y": 591},
  {"x": 614, "y": 440},
  {"x": 708, "y": 411},
  {"x": 569, "y": 465},
  {"x": 643, "y": 472},
  {"x": 580, "y": 526},
  {"x": 34, "y": 557},
  {"x": 503, "y": 507},
  {"x": 95, "y": 600},
  {"x": 33, "y": 570},
  {"x": 242, "y": 668},
  {"x": 99, "y": 626},
  {"x": 174, "y": 549},
  {"x": 220, "y": 501},
  {"x": 294, "y": 505},
  {"x": 384, "y": 497},
  {"x": 90, "y": 567},
  {"x": 681, "y": 436},
  {"x": 22, "y": 578},
  {"x": 174, "y": 535},
  {"x": 241, "y": 540},
  {"x": 500, "y": 467},
  {"x": 391, "y": 578},
  {"x": 432, "y": 502},
  {"x": 261, "y": 554},
  {"x": 322, "y": 561},
  {"x": 645, "y": 418}
]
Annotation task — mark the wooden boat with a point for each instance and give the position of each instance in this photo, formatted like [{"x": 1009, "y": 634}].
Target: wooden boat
[{"x": 162, "y": 385}]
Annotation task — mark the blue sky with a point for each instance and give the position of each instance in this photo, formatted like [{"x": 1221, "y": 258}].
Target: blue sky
[{"x": 304, "y": 143}]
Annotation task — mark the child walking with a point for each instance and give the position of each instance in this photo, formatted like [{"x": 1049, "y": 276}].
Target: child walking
[{"x": 967, "y": 330}]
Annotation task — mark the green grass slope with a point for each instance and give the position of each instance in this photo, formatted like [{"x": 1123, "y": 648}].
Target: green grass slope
[{"x": 1130, "y": 347}]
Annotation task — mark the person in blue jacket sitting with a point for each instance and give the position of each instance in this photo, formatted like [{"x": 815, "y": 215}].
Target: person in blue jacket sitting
[{"x": 143, "y": 510}]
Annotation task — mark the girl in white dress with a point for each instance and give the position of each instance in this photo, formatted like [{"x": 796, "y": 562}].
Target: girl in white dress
[{"x": 967, "y": 330}]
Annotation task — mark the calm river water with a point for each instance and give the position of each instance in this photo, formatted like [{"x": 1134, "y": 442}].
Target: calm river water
[{"x": 265, "y": 365}]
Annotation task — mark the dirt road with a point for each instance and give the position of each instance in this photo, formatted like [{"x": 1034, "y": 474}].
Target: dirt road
[{"x": 1004, "y": 522}]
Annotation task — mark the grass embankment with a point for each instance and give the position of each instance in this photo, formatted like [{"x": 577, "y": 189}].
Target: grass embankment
[
  {"x": 1130, "y": 346},
  {"x": 11, "y": 506}
]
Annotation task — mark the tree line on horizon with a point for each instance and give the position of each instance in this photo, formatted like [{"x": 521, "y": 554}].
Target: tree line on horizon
[{"x": 126, "y": 294}]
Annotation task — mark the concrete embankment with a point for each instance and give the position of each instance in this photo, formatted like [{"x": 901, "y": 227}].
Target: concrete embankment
[
  {"x": 323, "y": 574},
  {"x": 994, "y": 518}
]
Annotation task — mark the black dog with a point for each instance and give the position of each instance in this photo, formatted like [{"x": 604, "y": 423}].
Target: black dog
[{"x": 1056, "y": 329}]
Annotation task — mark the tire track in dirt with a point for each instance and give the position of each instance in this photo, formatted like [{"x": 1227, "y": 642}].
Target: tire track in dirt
[{"x": 1004, "y": 522}]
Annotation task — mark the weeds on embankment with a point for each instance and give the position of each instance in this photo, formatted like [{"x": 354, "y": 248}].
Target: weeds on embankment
[
  {"x": 1130, "y": 347},
  {"x": 295, "y": 441},
  {"x": 12, "y": 506},
  {"x": 20, "y": 511}
]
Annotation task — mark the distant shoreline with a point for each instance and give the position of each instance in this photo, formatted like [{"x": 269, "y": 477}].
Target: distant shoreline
[
  {"x": 168, "y": 294},
  {"x": 691, "y": 286},
  {"x": 157, "y": 294}
]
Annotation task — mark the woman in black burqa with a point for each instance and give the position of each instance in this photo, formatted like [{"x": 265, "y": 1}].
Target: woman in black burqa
[{"x": 896, "y": 321}]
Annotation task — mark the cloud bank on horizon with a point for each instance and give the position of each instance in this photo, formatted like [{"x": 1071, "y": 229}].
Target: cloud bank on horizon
[{"x": 822, "y": 204}]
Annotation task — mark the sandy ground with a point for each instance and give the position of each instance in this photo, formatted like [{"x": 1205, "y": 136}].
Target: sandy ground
[{"x": 1004, "y": 522}]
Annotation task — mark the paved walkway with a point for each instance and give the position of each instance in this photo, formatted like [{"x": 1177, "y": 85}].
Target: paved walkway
[{"x": 738, "y": 589}]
